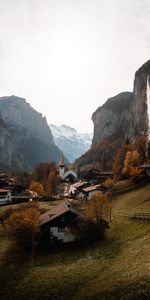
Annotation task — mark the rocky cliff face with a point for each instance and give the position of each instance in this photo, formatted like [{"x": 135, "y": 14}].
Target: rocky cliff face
[
  {"x": 29, "y": 138},
  {"x": 113, "y": 118},
  {"x": 121, "y": 118},
  {"x": 9, "y": 156},
  {"x": 140, "y": 107}
]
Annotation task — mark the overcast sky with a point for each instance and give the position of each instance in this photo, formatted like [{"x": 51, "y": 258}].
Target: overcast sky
[{"x": 66, "y": 57}]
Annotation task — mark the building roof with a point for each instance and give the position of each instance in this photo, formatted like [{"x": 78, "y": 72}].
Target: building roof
[
  {"x": 54, "y": 213},
  {"x": 92, "y": 188},
  {"x": 145, "y": 166},
  {"x": 61, "y": 162},
  {"x": 4, "y": 191},
  {"x": 79, "y": 184}
]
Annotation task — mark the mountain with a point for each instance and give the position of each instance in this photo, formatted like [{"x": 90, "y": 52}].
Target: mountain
[
  {"x": 72, "y": 143},
  {"x": 120, "y": 119},
  {"x": 26, "y": 139}
]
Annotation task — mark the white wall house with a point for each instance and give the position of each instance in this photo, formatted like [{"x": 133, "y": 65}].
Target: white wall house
[
  {"x": 55, "y": 225},
  {"x": 62, "y": 234},
  {"x": 88, "y": 192},
  {"x": 5, "y": 196},
  {"x": 77, "y": 187}
]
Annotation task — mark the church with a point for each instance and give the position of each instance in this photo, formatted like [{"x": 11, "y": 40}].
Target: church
[{"x": 65, "y": 173}]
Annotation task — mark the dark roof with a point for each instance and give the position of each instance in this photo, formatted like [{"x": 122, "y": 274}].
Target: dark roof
[{"x": 54, "y": 213}]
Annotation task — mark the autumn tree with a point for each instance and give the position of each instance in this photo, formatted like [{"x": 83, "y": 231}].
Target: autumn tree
[
  {"x": 119, "y": 159},
  {"x": 36, "y": 187},
  {"x": 22, "y": 226},
  {"x": 98, "y": 207},
  {"x": 135, "y": 172},
  {"x": 110, "y": 182},
  {"x": 131, "y": 161},
  {"x": 92, "y": 226},
  {"x": 46, "y": 174}
]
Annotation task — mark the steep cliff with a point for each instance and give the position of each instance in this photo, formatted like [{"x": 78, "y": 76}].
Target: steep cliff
[
  {"x": 113, "y": 118},
  {"x": 121, "y": 118},
  {"x": 10, "y": 158},
  {"x": 29, "y": 133},
  {"x": 140, "y": 107}
]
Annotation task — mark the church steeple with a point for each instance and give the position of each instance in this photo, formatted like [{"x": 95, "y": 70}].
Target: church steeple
[
  {"x": 61, "y": 162},
  {"x": 61, "y": 166}
]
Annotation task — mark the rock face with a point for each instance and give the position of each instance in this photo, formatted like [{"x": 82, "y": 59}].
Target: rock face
[
  {"x": 140, "y": 107},
  {"x": 29, "y": 139},
  {"x": 111, "y": 119},
  {"x": 121, "y": 118},
  {"x": 72, "y": 143},
  {"x": 9, "y": 156}
]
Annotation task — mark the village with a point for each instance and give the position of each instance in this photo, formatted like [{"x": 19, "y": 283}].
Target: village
[{"x": 54, "y": 224}]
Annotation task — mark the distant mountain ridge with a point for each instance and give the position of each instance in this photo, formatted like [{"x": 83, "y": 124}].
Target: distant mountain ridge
[
  {"x": 26, "y": 139},
  {"x": 72, "y": 143}
]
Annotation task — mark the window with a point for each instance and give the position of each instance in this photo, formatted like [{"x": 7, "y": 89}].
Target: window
[{"x": 61, "y": 229}]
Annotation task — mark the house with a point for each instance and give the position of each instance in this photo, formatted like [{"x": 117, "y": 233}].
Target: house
[
  {"x": 55, "y": 225},
  {"x": 75, "y": 188},
  {"x": 88, "y": 192},
  {"x": 146, "y": 169},
  {"x": 5, "y": 196},
  {"x": 66, "y": 174},
  {"x": 95, "y": 176}
]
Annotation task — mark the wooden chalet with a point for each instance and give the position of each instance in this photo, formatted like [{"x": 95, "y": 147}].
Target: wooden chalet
[
  {"x": 91, "y": 190},
  {"x": 55, "y": 225}
]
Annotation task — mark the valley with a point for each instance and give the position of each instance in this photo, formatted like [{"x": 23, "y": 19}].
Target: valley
[{"x": 118, "y": 268}]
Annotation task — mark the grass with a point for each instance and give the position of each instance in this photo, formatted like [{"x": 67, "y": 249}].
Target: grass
[
  {"x": 44, "y": 204},
  {"x": 118, "y": 268},
  {"x": 135, "y": 201}
]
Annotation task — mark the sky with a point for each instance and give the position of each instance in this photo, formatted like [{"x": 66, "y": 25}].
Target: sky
[{"x": 67, "y": 57}]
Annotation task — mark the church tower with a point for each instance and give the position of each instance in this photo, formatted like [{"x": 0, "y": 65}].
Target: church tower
[{"x": 61, "y": 167}]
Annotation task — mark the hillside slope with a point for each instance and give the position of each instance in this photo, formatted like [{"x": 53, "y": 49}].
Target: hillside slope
[{"x": 118, "y": 268}]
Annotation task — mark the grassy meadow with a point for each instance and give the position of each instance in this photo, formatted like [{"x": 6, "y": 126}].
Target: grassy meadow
[{"x": 115, "y": 269}]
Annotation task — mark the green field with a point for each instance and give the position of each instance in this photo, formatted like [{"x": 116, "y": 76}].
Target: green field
[{"x": 116, "y": 269}]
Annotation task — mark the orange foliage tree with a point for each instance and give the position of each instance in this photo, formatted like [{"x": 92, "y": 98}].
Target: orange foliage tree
[
  {"x": 46, "y": 175},
  {"x": 97, "y": 207},
  {"x": 131, "y": 161},
  {"x": 22, "y": 226}
]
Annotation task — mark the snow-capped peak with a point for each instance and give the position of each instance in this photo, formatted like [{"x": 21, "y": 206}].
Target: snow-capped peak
[{"x": 72, "y": 143}]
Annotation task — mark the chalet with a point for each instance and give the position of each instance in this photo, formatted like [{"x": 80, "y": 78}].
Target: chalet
[
  {"x": 66, "y": 174},
  {"x": 95, "y": 176},
  {"x": 5, "y": 196},
  {"x": 146, "y": 169},
  {"x": 55, "y": 225},
  {"x": 91, "y": 190},
  {"x": 77, "y": 187}
]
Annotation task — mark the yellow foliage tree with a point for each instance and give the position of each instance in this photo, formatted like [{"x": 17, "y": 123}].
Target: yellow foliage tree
[
  {"x": 131, "y": 160},
  {"x": 23, "y": 227},
  {"x": 135, "y": 171},
  {"x": 36, "y": 187},
  {"x": 98, "y": 207}
]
